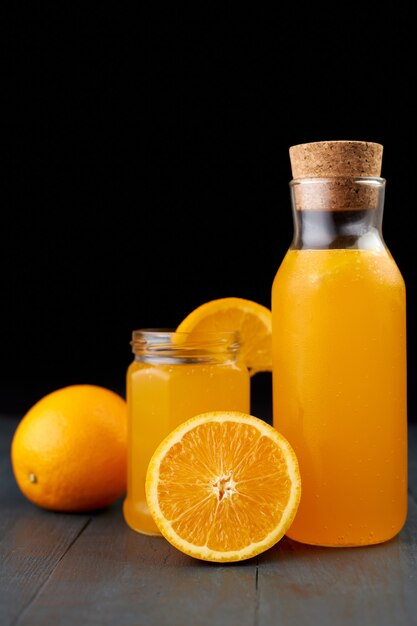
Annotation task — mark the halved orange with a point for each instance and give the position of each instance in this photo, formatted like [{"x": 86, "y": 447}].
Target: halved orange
[
  {"x": 223, "y": 486},
  {"x": 252, "y": 320}
]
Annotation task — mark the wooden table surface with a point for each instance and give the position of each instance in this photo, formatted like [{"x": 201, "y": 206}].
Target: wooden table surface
[{"x": 92, "y": 569}]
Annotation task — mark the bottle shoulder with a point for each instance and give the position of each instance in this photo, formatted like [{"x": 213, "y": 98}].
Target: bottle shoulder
[{"x": 338, "y": 265}]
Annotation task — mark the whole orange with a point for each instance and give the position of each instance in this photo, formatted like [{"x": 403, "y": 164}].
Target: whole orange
[{"x": 69, "y": 452}]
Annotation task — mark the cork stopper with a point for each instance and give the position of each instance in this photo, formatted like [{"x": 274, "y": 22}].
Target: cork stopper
[
  {"x": 346, "y": 162},
  {"x": 326, "y": 159}
]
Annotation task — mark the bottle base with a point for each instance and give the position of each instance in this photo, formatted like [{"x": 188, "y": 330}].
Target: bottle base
[{"x": 361, "y": 543}]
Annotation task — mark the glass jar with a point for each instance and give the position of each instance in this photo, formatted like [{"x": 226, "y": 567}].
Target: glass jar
[
  {"x": 339, "y": 364},
  {"x": 175, "y": 376}
]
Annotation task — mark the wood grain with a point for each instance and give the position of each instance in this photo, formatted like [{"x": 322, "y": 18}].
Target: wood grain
[
  {"x": 32, "y": 541},
  {"x": 113, "y": 575},
  {"x": 93, "y": 570},
  {"x": 303, "y": 584}
]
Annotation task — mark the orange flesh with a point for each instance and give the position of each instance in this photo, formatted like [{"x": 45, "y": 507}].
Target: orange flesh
[
  {"x": 252, "y": 320},
  {"x": 340, "y": 391},
  {"x": 224, "y": 487}
]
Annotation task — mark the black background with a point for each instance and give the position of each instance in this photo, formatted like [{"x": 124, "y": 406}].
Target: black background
[{"x": 147, "y": 168}]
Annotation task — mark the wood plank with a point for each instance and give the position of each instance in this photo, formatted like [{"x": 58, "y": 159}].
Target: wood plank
[
  {"x": 375, "y": 585},
  {"x": 113, "y": 575},
  {"x": 31, "y": 546},
  {"x": 61, "y": 569},
  {"x": 32, "y": 541}
]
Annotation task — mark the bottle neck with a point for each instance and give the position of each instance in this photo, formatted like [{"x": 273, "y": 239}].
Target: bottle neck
[{"x": 338, "y": 213}]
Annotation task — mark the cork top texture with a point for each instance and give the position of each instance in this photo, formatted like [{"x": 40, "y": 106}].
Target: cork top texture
[{"x": 343, "y": 161}]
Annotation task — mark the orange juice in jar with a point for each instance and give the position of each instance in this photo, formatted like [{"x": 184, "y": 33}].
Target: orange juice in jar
[
  {"x": 339, "y": 351},
  {"x": 173, "y": 377}
]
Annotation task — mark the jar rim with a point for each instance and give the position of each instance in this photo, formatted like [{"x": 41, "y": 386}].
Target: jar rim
[
  {"x": 169, "y": 332},
  {"x": 160, "y": 340}
]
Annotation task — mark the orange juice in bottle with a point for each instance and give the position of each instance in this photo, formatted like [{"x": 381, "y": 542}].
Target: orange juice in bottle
[
  {"x": 339, "y": 350},
  {"x": 173, "y": 377}
]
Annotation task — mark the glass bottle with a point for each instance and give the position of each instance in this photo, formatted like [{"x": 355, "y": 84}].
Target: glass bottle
[
  {"x": 175, "y": 376},
  {"x": 339, "y": 350}
]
